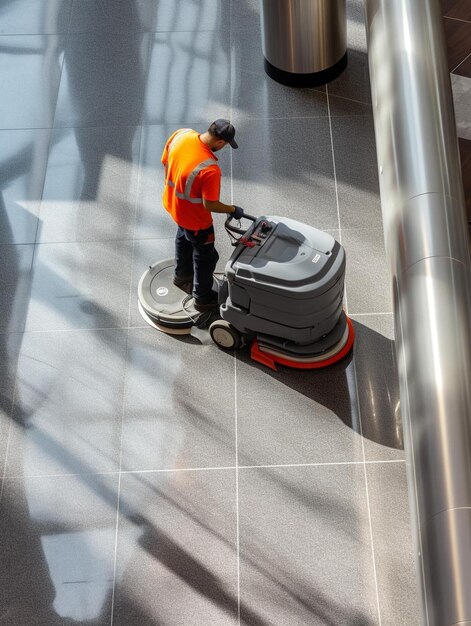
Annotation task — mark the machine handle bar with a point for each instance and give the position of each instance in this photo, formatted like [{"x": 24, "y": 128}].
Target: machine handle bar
[{"x": 234, "y": 229}]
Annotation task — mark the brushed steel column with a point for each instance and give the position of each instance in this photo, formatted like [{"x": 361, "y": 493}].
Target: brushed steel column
[
  {"x": 304, "y": 41},
  {"x": 427, "y": 245}
]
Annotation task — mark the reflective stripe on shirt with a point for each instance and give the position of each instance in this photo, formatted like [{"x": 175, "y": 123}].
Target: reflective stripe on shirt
[{"x": 190, "y": 180}]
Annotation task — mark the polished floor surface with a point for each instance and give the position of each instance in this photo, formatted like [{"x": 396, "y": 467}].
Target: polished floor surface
[{"x": 155, "y": 480}]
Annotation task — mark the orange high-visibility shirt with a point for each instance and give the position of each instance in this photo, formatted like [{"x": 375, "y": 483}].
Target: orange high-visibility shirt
[{"x": 192, "y": 174}]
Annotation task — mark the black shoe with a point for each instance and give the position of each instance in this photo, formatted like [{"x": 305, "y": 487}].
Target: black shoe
[
  {"x": 185, "y": 283},
  {"x": 206, "y": 305}
]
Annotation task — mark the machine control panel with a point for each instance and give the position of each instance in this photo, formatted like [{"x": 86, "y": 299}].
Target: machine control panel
[{"x": 258, "y": 236}]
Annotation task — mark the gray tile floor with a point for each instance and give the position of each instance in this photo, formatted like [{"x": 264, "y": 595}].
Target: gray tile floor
[{"x": 148, "y": 479}]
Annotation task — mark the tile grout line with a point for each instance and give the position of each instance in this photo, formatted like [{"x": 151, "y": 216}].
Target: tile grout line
[
  {"x": 209, "y": 469},
  {"x": 35, "y": 243},
  {"x": 49, "y": 145},
  {"x": 118, "y": 497},
  {"x": 87, "y": 241},
  {"x": 66, "y": 35},
  {"x": 236, "y": 426},
  {"x": 336, "y": 185},
  {"x": 333, "y": 162},
  {"x": 70, "y": 16},
  {"x": 373, "y": 313},
  {"x": 136, "y": 209},
  {"x": 306, "y": 117},
  {"x": 15, "y": 384},
  {"x": 195, "y": 122},
  {"x": 456, "y": 19},
  {"x": 75, "y": 330},
  {"x": 373, "y": 556},
  {"x": 237, "y": 488},
  {"x": 143, "y": 327},
  {"x": 321, "y": 464},
  {"x": 143, "y": 239},
  {"x": 115, "y": 550},
  {"x": 319, "y": 91},
  {"x": 412, "y": 476},
  {"x": 460, "y": 64}
]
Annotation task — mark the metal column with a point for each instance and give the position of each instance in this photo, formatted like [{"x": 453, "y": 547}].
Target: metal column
[
  {"x": 427, "y": 246},
  {"x": 304, "y": 41}
]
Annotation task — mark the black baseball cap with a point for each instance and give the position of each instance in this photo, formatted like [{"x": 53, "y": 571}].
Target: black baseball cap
[{"x": 224, "y": 130}]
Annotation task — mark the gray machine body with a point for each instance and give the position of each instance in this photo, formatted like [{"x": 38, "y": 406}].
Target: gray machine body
[{"x": 288, "y": 286}]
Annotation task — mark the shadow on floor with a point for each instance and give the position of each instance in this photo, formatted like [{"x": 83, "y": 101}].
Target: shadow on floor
[{"x": 362, "y": 389}]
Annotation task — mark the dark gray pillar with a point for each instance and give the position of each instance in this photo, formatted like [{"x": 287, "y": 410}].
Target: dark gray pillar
[{"x": 304, "y": 41}]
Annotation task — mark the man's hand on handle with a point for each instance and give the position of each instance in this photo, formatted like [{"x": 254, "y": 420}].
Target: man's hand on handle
[{"x": 238, "y": 213}]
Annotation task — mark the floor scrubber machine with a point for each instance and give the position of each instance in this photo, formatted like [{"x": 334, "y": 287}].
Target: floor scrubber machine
[{"x": 281, "y": 294}]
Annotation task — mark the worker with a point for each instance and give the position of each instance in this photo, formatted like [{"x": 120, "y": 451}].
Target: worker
[{"x": 191, "y": 195}]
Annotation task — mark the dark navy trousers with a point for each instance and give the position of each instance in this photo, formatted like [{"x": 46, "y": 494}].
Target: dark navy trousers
[{"x": 196, "y": 256}]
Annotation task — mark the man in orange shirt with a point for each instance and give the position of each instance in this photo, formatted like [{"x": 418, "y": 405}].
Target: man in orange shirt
[{"x": 191, "y": 194}]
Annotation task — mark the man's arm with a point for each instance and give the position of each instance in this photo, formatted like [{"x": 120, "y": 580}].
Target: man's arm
[
  {"x": 214, "y": 206},
  {"x": 211, "y": 188}
]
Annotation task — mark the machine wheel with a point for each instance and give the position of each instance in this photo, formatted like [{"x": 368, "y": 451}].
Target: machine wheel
[{"x": 224, "y": 335}]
